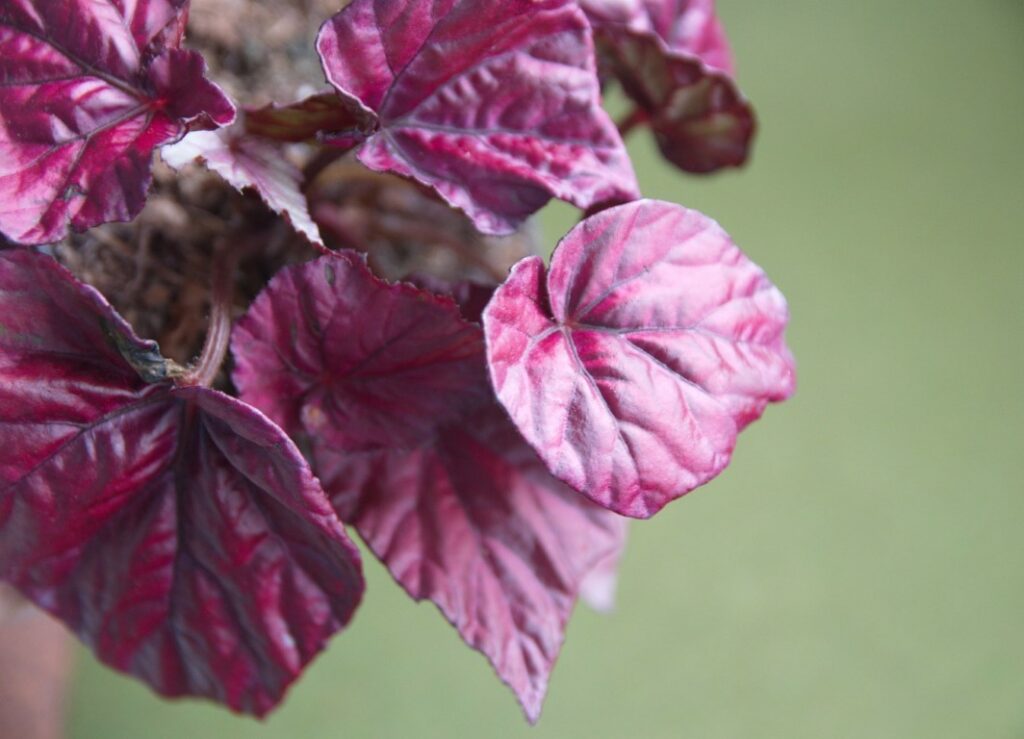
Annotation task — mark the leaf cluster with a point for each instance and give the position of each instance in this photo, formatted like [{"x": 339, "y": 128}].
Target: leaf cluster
[{"x": 485, "y": 422}]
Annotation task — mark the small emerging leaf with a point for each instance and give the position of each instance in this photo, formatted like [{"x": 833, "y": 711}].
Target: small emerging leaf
[
  {"x": 493, "y": 103},
  {"x": 89, "y": 90},
  {"x": 673, "y": 60},
  {"x": 473, "y": 521},
  {"x": 175, "y": 530},
  {"x": 388, "y": 385},
  {"x": 632, "y": 366}
]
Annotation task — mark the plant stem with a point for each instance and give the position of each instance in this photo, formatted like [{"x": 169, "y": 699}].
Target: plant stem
[
  {"x": 218, "y": 332},
  {"x": 631, "y": 120}
]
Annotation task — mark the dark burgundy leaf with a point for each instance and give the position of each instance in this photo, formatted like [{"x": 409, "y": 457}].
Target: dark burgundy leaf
[
  {"x": 700, "y": 119},
  {"x": 325, "y": 117},
  {"x": 87, "y": 91},
  {"x": 388, "y": 384},
  {"x": 247, "y": 162},
  {"x": 330, "y": 350},
  {"x": 473, "y": 521},
  {"x": 675, "y": 64},
  {"x": 494, "y": 103},
  {"x": 634, "y": 364},
  {"x": 176, "y": 530}
]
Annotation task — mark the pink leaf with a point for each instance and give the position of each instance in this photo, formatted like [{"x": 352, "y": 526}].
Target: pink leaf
[
  {"x": 675, "y": 63},
  {"x": 388, "y": 384},
  {"x": 247, "y": 162},
  {"x": 176, "y": 530},
  {"x": 493, "y": 103},
  {"x": 89, "y": 91},
  {"x": 633, "y": 365}
]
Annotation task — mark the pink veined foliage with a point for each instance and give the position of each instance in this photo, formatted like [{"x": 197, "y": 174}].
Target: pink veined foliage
[
  {"x": 633, "y": 363},
  {"x": 493, "y": 103},
  {"x": 88, "y": 89},
  {"x": 177, "y": 531},
  {"x": 673, "y": 60},
  {"x": 489, "y": 442},
  {"x": 387, "y": 384}
]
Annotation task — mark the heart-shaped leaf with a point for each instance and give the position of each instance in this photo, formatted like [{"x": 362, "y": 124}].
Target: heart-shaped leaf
[
  {"x": 387, "y": 384},
  {"x": 675, "y": 63},
  {"x": 247, "y": 162},
  {"x": 89, "y": 89},
  {"x": 493, "y": 103},
  {"x": 633, "y": 365},
  {"x": 176, "y": 530}
]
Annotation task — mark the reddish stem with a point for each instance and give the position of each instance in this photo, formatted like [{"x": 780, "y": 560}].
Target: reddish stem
[
  {"x": 631, "y": 120},
  {"x": 218, "y": 332}
]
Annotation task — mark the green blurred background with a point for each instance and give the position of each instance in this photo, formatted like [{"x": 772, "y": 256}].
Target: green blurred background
[{"x": 859, "y": 570}]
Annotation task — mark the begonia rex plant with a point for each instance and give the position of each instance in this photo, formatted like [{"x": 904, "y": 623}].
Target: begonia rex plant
[{"x": 340, "y": 338}]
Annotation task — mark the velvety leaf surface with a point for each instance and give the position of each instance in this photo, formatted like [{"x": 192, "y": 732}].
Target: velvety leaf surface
[
  {"x": 176, "y": 530},
  {"x": 494, "y": 103},
  {"x": 435, "y": 478},
  {"x": 88, "y": 89},
  {"x": 674, "y": 62},
  {"x": 247, "y": 162},
  {"x": 631, "y": 367}
]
